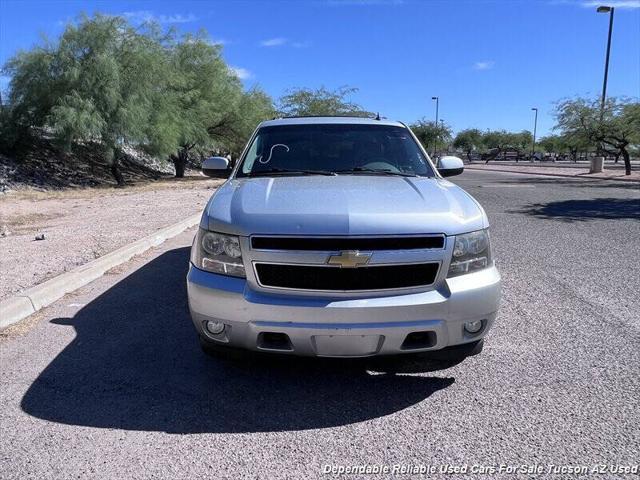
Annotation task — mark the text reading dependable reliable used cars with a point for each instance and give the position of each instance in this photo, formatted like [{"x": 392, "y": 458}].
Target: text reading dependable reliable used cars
[{"x": 337, "y": 236}]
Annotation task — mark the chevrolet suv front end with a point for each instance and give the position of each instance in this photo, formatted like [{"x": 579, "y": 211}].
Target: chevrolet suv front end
[{"x": 338, "y": 237}]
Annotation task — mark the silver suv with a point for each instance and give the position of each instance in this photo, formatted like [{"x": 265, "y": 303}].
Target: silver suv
[{"x": 337, "y": 236}]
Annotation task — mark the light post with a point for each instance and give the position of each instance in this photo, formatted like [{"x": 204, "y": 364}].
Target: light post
[
  {"x": 610, "y": 10},
  {"x": 435, "y": 143},
  {"x": 535, "y": 128}
]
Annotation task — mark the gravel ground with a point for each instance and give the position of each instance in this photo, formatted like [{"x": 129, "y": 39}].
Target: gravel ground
[
  {"x": 82, "y": 225},
  {"x": 109, "y": 382}
]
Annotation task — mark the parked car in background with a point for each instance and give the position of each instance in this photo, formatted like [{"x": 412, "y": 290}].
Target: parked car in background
[{"x": 337, "y": 236}]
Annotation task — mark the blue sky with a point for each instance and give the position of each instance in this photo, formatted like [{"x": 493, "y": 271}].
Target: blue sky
[{"x": 489, "y": 61}]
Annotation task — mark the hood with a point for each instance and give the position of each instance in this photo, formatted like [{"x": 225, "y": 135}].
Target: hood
[{"x": 342, "y": 205}]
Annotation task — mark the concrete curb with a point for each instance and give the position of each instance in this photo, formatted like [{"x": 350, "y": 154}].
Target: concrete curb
[
  {"x": 564, "y": 175},
  {"x": 14, "y": 309}
]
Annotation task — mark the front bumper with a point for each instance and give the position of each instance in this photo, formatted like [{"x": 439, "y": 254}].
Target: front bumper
[{"x": 343, "y": 327}]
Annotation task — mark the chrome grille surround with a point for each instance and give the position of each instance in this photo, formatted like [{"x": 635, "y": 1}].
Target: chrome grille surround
[{"x": 379, "y": 258}]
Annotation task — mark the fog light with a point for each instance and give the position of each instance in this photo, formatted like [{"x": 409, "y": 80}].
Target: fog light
[
  {"x": 474, "y": 326},
  {"x": 214, "y": 328}
]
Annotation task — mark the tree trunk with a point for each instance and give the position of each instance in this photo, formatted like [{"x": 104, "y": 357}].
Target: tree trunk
[
  {"x": 491, "y": 156},
  {"x": 627, "y": 161},
  {"x": 113, "y": 159},
  {"x": 180, "y": 162},
  {"x": 180, "y": 167},
  {"x": 574, "y": 155},
  {"x": 117, "y": 174}
]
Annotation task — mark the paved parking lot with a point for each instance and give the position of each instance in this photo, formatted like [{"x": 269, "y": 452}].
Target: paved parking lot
[{"x": 110, "y": 383}]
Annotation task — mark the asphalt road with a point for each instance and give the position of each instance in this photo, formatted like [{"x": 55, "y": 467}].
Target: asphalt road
[{"x": 110, "y": 382}]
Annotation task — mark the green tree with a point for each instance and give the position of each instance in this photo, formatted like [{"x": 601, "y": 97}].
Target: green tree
[
  {"x": 254, "y": 106},
  {"x": 109, "y": 83},
  {"x": 431, "y": 135},
  {"x": 522, "y": 141},
  {"x": 563, "y": 145},
  {"x": 468, "y": 140},
  {"x": 95, "y": 84},
  {"x": 302, "y": 102},
  {"x": 202, "y": 96},
  {"x": 615, "y": 129},
  {"x": 550, "y": 144},
  {"x": 494, "y": 143}
]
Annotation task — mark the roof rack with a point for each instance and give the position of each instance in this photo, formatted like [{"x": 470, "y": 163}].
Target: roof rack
[{"x": 328, "y": 116}]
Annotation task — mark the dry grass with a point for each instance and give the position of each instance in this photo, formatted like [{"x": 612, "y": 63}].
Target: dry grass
[
  {"x": 21, "y": 223},
  {"x": 23, "y": 326},
  {"x": 28, "y": 219},
  {"x": 192, "y": 181}
]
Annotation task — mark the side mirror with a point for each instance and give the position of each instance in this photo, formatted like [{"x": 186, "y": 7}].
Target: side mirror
[
  {"x": 449, "y": 166},
  {"x": 212, "y": 166}
]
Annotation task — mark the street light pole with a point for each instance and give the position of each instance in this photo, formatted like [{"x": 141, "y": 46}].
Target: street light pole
[
  {"x": 535, "y": 128},
  {"x": 435, "y": 142},
  {"x": 610, "y": 10}
]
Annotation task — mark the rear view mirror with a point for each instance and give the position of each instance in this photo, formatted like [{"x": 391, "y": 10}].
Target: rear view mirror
[
  {"x": 212, "y": 166},
  {"x": 449, "y": 166}
]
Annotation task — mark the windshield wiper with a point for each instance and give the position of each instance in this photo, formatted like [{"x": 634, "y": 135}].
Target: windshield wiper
[
  {"x": 381, "y": 171},
  {"x": 282, "y": 171}
]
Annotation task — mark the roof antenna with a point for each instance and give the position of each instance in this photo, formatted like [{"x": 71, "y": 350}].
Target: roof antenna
[{"x": 378, "y": 116}]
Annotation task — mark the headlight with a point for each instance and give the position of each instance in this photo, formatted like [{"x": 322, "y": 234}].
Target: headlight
[
  {"x": 471, "y": 252},
  {"x": 217, "y": 253}
]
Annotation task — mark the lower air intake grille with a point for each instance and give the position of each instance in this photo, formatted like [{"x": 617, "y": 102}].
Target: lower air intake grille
[{"x": 309, "y": 277}]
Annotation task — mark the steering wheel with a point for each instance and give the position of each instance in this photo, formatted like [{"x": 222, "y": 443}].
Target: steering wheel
[{"x": 380, "y": 164}]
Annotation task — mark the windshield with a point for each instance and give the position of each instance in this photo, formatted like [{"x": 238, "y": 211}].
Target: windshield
[{"x": 340, "y": 148}]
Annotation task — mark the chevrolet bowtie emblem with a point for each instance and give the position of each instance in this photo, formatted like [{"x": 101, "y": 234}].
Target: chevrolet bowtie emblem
[{"x": 349, "y": 259}]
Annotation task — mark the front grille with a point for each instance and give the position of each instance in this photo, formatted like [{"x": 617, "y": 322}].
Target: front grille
[
  {"x": 310, "y": 277},
  {"x": 347, "y": 243}
]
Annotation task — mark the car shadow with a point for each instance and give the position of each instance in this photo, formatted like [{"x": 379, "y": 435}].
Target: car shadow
[
  {"x": 135, "y": 364},
  {"x": 585, "y": 210}
]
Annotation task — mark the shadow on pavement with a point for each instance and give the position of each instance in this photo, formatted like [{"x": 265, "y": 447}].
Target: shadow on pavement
[
  {"x": 584, "y": 210},
  {"x": 135, "y": 364}
]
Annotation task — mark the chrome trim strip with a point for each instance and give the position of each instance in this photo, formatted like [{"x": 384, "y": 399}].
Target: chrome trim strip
[
  {"x": 418, "y": 235},
  {"x": 348, "y": 326}
]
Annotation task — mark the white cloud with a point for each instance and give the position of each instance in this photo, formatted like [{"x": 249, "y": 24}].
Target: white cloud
[
  {"x": 148, "y": 16},
  {"x": 241, "y": 73},
  {"x": 211, "y": 41},
  {"x": 218, "y": 41},
  {"x": 485, "y": 65},
  {"x": 273, "y": 42},
  {"x": 281, "y": 42},
  {"x": 612, "y": 3}
]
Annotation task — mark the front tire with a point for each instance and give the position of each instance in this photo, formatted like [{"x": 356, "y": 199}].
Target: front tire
[
  {"x": 458, "y": 353},
  {"x": 217, "y": 350}
]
